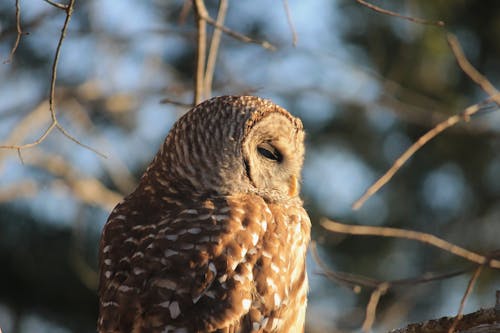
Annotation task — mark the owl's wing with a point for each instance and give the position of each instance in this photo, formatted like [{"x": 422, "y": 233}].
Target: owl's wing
[
  {"x": 191, "y": 271},
  {"x": 118, "y": 297}
]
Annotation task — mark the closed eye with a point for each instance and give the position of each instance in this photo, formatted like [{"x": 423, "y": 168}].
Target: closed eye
[{"x": 268, "y": 151}]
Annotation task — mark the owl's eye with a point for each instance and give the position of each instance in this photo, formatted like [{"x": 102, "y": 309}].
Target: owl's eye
[{"x": 270, "y": 152}]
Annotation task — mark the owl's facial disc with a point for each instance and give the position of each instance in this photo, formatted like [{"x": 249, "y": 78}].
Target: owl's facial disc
[{"x": 273, "y": 153}]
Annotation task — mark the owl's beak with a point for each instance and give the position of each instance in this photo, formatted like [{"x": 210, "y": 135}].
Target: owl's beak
[{"x": 293, "y": 186}]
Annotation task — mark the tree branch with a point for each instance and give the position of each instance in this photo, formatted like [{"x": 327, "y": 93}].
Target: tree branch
[
  {"x": 470, "y": 286},
  {"x": 290, "y": 22},
  {"x": 410, "y": 234},
  {"x": 55, "y": 123},
  {"x": 19, "y": 34},
  {"x": 431, "y": 134},
  {"x": 390, "y": 13},
  {"x": 475, "y": 76},
  {"x": 201, "y": 51},
  {"x": 238, "y": 36},
  {"x": 482, "y": 321},
  {"x": 471, "y": 72},
  {"x": 214, "y": 47}
]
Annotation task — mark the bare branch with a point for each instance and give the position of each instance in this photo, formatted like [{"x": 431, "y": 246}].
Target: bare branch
[
  {"x": 19, "y": 33},
  {"x": 34, "y": 143},
  {"x": 371, "y": 307},
  {"x": 72, "y": 138},
  {"x": 177, "y": 103},
  {"x": 380, "y": 288},
  {"x": 58, "y": 5},
  {"x": 214, "y": 47},
  {"x": 410, "y": 234},
  {"x": 475, "y": 76},
  {"x": 471, "y": 72},
  {"x": 390, "y": 13},
  {"x": 484, "y": 318},
  {"x": 116, "y": 169},
  {"x": 356, "y": 282},
  {"x": 201, "y": 53},
  {"x": 290, "y": 22},
  {"x": 238, "y": 36},
  {"x": 431, "y": 134},
  {"x": 470, "y": 286},
  {"x": 55, "y": 123},
  {"x": 186, "y": 7}
]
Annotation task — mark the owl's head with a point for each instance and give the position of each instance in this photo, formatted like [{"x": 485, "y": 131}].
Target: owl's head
[{"x": 233, "y": 144}]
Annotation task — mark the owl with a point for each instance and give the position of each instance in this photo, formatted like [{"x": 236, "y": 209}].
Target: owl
[{"x": 214, "y": 238}]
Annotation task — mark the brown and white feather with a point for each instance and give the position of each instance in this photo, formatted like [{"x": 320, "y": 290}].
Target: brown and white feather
[{"x": 213, "y": 239}]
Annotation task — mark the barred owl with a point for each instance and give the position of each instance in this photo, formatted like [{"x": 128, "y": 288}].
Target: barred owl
[{"x": 214, "y": 237}]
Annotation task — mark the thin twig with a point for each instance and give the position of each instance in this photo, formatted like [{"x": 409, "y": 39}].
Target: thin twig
[
  {"x": 20, "y": 156},
  {"x": 290, "y": 22},
  {"x": 471, "y": 72},
  {"x": 428, "y": 278},
  {"x": 34, "y": 143},
  {"x": 380, "y": 288},
  {"x": 391, "y": 13},
  {"x": 58, "y": 5},
  {"x": 371, "y": 307},
  {"x": 19, "y": 33},
  {"x": 214, "y": 48},
  {"x": 470, "y": 286},
  {"x": 451, "y": 121},
  {"x": 174, "y": 102},
  {"x": 78, "y": 142},
  {"x": 55, "y": 123},
  {"x": 186, "y": 7},
  {"x": 356, "y": 282},
  {"x": 238, "y": 36},
  {"x": 410, "y": 234},
  {"x": 475, "y": 76},
  {"x": 201, "y": 52}
]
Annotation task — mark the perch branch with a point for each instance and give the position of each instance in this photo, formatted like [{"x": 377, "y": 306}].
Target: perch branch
[{"x": 487, "y": 319}]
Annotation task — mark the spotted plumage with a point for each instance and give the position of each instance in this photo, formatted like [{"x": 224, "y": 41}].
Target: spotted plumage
[{"x": 214, "y": 237}]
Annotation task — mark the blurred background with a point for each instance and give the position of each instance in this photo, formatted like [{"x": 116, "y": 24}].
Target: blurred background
[{"x": 366, "y": 86}]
